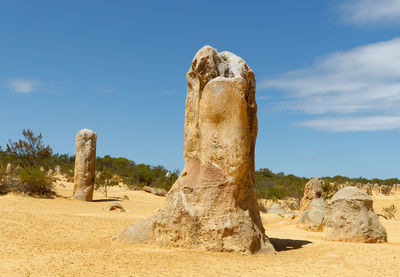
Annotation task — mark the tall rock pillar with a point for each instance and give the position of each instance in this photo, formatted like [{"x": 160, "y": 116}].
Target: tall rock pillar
[
  {"x": 213, "y": 204},
  {"x": 85, "y": 165}
]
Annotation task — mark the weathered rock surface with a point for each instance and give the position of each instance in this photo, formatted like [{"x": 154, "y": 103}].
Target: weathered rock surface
[
  {"x": 155, "y": 191},
  {"x": 213, "y": 203},
  {"x": 115, "y": 206},
  {"x": 350, "y": 217},
  {"x": 313, "y": 189},
  {"x": 276, "y": 209},
  {"x": 9, "y": 169},
  {"x": 85, "y": 165},
  {"x": 313, "y": 218}
]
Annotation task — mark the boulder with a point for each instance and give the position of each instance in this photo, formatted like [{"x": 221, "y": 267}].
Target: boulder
[
  {"x": 85, "y": 165},
  {"x": 276, "y": 209},
  {"x": 213, "y": 204},
  {"x": 155, "y": 191},
  {"x": 313, "y": 189},
  {"x": 115, "y": 206},
  {"x": 350, "y": 217},
  {"x": 313, "y": 218}
]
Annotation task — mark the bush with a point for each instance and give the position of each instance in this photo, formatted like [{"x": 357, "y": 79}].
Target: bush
[
  {"x": 328, "y": 190},
  {"x": 386, "y": 189},
  {"x": 34, "y": 181},
  {"x": 105, "y": 180},
  {"x": 390, "y": 212},
  {"x": 31, "y": 151}
]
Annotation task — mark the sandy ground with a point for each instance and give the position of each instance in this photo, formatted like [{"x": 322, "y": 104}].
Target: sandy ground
[{"x": 64, "y": 237}]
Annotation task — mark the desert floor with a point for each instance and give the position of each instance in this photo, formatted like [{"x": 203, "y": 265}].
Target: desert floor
[{"x": 64, "y": 237}]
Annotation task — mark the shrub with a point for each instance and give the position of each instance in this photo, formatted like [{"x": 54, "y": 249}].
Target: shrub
[
  {"x": 386, "y": 189},
  {"x": 31, "y": 151},
  {"x": 34, "y": 181},
  {"x": 328, "y": 189},
  {"x": 390, "y": 212},
  {"x": 105, "y": 180}
]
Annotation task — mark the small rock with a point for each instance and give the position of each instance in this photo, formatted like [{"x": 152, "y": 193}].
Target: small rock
[
  {"x": 155, "y": 191},
  {"x": 312, "y": 219},
  {"x": 114, "y": 206},
  {"x": 276, "y": 209},
  {"x": 290, "y": 216}
]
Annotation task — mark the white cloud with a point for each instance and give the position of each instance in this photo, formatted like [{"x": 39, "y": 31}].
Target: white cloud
[
  {"x": 364, "y": 80},
  {"x": 366, "y": 123},
  {"x": 21, "y": 85},
  {"x": 367, "y": 12}
]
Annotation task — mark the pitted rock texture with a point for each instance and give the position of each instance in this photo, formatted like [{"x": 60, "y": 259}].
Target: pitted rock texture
[
  {"x": 350, "y": 217},
  {"x": 313, "y": 189},
  {"x": 313, "y": 218},
  {"x": 213, "y": 203},
  {"x": 85, "y": 165}
]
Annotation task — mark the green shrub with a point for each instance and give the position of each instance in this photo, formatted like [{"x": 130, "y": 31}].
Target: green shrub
[
  {"x": 105, "y": 180},
  {"x": 328, "y": 189},
  {"x": 34, "y": 181}
]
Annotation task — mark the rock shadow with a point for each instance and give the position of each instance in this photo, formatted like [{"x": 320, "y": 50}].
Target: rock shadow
[
  {"x": 287, "y": 244},
  {"x": 105, "y": 200}
]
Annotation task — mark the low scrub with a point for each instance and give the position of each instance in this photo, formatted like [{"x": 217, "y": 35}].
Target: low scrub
[
  {"x": 389, "y": 212},
  {"x": 30, "y": 180}
]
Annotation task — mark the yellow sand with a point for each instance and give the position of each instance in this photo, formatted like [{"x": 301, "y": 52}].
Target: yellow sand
[{"x": 64, "y": 237}]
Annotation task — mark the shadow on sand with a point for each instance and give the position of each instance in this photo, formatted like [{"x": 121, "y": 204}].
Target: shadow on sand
[
  {"x": 106, "y": 200},
  {"x": 287, "y": 244}
]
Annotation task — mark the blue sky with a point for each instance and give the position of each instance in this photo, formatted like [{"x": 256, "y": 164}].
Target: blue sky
[{"x": 328, "y": 77}]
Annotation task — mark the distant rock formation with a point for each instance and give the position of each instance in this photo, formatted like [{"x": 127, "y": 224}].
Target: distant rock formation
[
  {"x": 276, "y": 209},
  {"x": 313, "y": 218},
  {"x": 85, "y": 165},
  {"x": 350, "y": 217},
  {"x": 313, "y": 189},
  {"x": 213, "y": 203},
  {"x": 312, "y": 207},
  {"x": 9, "y": 169},
  {"x": 57, "y": 170},
  {"x": 376, "y": 190}
]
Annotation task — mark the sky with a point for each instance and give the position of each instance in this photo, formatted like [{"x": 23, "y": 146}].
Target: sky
[{"x": 327, "y": 72}]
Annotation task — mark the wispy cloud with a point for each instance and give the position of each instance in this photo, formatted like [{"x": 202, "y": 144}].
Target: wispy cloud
[
  {"x": 368, "y": 12},
  {"x": 22, "y": 85},
  {"x": 366, "y": 123},
  {"x": 364, "y": 80}
]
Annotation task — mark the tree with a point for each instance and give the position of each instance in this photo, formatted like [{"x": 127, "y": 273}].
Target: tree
[
  {"x": 31, "y": 151},
  {"x": 105, "y": 180},
  {"x": 31, "y": 154}
]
